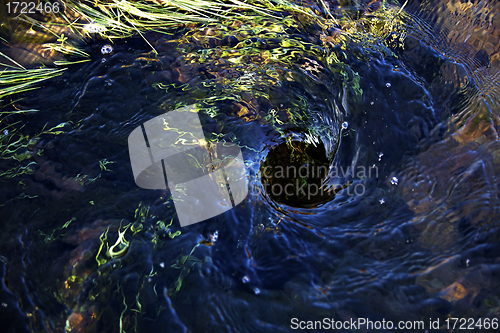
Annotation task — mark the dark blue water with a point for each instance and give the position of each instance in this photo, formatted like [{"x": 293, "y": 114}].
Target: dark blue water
[{"x": 84, "y": 249}]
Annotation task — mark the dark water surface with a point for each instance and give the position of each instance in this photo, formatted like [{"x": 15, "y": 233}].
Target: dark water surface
[{"x": 84, "y": 249}]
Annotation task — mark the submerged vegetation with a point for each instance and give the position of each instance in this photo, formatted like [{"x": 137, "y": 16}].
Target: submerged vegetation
[
  {"x": 39, "y": 45},
  {"x": 247, "y": 47},
  {"x": 16, "y": 148},
  {"x": 285, "y": 67},
  {"x": 78, "y": 21},
  {"x": 57, "y": 39},
  {"x": 18, "y": 80}
]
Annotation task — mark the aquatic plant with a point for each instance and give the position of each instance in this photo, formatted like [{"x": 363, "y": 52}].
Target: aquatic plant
[
  {"x": 113, "y": 19},
  {"x": 247, "y": 58},
  {"x": 17, "y": 80},
  {"x": 14, "y": 151}
]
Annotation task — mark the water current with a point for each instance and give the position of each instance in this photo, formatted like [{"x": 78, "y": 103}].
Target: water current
[{"x": 407, "y": 129}]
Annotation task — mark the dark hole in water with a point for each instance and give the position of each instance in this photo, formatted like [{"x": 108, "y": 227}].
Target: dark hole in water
[{"x": 293, "y": 173}]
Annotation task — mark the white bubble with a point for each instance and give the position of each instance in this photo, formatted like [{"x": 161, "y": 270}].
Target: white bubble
[
  {"x": 467, "y": 262},
  {"x": 394, "y": 181},
  {"x": 388, "y": 85},
  {"x": 256, "y": 291},
  {"x": 5, "y": 132},
  {"x": 106, "y": 49},
  {"x": 213, "y": 238},
  {"x": 162, "y": 265},
  {"x": 245, "y": 279},
  {"x": 345, "y": 124},
  {"x": 94, "y": 28},
  {"x": 380, "y": 156},
  {"x": 382, "y": 201}
]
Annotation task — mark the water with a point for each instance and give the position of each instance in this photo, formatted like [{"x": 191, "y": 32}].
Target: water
[{"x": 83, "y": 249}]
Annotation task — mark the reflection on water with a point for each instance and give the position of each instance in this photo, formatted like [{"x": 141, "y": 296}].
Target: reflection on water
[{"x": 83, "y": 249}]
